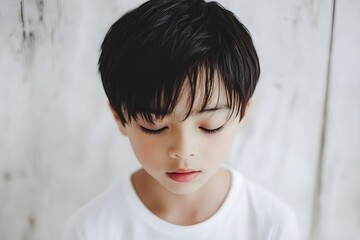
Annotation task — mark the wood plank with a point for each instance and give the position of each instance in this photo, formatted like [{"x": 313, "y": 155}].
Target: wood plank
[
  {"x": 17, "y": 145},
  {"x": 279, "y": 144},
  {"x": 59, "y": 145},
  {"x": 339, "y": 200}
]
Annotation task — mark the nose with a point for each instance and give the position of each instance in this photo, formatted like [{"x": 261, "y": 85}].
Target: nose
[{"x": 183, "y": 145}]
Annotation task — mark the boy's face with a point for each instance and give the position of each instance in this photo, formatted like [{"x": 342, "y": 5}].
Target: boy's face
[{"x": 183, "y": 155}]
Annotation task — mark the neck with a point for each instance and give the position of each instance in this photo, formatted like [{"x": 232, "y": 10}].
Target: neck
[{"x": 182, "y": 209}]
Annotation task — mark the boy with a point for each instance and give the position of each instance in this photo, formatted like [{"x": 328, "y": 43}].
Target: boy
[{"x": 179, "y": 75}]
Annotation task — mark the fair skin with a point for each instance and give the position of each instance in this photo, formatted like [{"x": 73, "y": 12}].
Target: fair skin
[{"x": 173, "y": 143}]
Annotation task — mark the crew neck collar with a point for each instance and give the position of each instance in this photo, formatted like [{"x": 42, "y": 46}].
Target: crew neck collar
[{"x": 165, "y": 227}]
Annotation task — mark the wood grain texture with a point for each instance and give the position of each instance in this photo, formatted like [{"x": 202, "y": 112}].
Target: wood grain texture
[
  {"x": 59, "y": 145},
  {"x": 280, "y": 141},
  {"x": 338, "y": 214}
]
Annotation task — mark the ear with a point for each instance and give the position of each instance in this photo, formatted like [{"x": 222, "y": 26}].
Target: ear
[
  {"x": 118, "y": 122},
  {"x": 246, "y": 110},
  {"x": 248, "y": 106}
]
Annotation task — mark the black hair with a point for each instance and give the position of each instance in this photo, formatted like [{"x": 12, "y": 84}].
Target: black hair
[{"x": 148, "y": 54}]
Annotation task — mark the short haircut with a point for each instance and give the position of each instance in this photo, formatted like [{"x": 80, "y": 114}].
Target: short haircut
[{"x": 148, "y": 54}]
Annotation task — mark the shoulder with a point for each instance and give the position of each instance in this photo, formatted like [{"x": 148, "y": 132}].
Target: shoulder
[
  {"x": 267, "y": 203},
  {"x": 268, "y": 212},
  {"x": 99, "y": 215}
]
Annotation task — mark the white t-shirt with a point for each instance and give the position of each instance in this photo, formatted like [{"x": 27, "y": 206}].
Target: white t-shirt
[{"x": 249, "y": 212}]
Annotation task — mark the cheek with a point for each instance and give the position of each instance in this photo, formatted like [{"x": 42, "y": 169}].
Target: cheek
[
  {"x": 148, "y": 152},
  {"x": 219, "y": 147}
]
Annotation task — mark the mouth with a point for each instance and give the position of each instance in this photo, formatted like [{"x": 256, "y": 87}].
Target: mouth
[{"x": 183, "y": 175}]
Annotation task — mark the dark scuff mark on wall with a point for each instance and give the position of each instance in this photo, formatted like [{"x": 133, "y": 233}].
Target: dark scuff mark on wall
[
  {"x": 40, "y": 6},
  {"x": 30, "y": 49},
  {"x": 32, "y": 223},
  {"x": 31, "y": 36},
  {"x": 22, "y": 19},
  {"x": 29, "y": 28},
  {"x": 28, "y": 234},
  {"x": 278, "y": 85},
  {"x": 7, "y": 176}
]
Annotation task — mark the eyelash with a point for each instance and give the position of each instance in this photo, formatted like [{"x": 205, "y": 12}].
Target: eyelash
[
  {"x": 148, "y": 131},
  {"x": 158, "y": 131},
  {"x": 212, "y": 131}
]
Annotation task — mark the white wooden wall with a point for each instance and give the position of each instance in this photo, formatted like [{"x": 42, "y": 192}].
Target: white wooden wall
[{"x": 59, "y": 145}]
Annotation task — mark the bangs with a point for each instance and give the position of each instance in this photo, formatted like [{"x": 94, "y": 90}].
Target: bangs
[{"x": 201, "y": 80}]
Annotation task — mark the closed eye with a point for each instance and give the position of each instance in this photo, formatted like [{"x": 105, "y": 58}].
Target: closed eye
[
  {"x": 158, "y": 131},
  {"x": 149, "y": 131},
  {"x": 212, "y": 131}
]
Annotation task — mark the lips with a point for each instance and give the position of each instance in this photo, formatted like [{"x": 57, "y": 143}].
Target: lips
[{"x": 183, "y": 175}]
